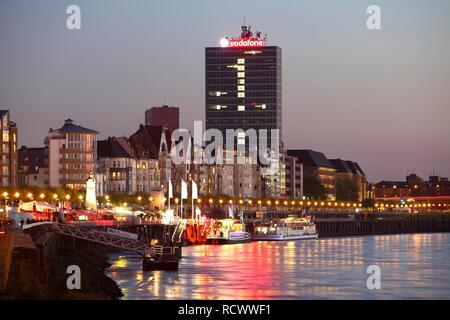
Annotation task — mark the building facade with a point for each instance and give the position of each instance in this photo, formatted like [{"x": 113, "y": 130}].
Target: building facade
[
  {"x": 72, "y": 155},
  {"x": 33, "y": 167},
  {"x": 165, "y": 116},
  {"x": 124, "y": 171},
  {"x": 413, "y": 186},
  {"x": 294, "y": 178},
  {"x": 9, "y": 157},
  {"x": 352, "y": 171},
  {"x": 316, "y": 165}
]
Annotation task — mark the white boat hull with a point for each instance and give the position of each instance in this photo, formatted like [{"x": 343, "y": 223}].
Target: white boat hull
[
  {"x": 280, "y": 237},
  {"x": 229, "y": 240}
]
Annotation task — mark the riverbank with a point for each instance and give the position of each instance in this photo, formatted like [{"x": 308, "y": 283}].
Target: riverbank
[{"x": 40, "y": 273}]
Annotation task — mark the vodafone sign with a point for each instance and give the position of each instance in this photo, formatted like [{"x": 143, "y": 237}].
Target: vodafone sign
[{"x": 241, "y": 43}]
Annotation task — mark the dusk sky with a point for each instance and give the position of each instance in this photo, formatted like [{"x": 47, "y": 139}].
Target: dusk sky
[{"x": 381, "y": 98}]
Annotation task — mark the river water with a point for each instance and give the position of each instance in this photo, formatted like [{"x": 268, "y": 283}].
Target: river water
[{"x": 413, "y": 266}]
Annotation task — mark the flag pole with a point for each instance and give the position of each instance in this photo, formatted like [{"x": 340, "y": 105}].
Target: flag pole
[
  {"x": 169, "y": 191},
  {"x": 192, "y": 198}
]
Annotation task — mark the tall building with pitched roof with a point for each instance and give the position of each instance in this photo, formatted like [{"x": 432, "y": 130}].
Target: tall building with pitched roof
[
  {"x": 315, "y": 164},
  {"x": 72, "y": 155}
]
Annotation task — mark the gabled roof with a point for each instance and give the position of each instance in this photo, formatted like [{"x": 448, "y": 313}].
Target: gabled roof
[
  {"x": 116, "y": 147},
  {"x": 311, "y": 158},
  {"x": 70, "y": 127},
  {"x": 147, "y": 140},
  {"x": 345, "y": 166}
]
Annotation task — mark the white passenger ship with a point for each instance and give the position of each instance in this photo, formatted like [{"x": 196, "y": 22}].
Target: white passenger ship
[
  {"x": 227, "y": 231},
  {"x": 285, "y": 229}
]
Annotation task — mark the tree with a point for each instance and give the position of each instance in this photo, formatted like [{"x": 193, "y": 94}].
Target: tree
[
  {"x": 368, "y": 203},
  {"x": 346, "y": 190},
  {"x": 313, "y": 188},
  {"x": 417, "y": 185}
]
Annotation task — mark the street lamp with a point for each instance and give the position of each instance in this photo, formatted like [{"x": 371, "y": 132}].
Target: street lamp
[
  {"x": 67, "y": 197},
  {"x": 42, "y": 196}
]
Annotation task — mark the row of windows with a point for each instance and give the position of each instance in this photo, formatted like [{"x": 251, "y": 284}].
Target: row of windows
[
  {"x": 80, "y": 137},
  {"x": 212, "y": 89},
  {"x": 247, "y": 115},
  {"x": 247, "y": 74},
  {"x": 75, "y": 156},
  {"x": 126, "y": 164},
  {"x": 77, "y": 166},
  {"x": 232, "y": 69},
  {"x": 232, "y": 81}
]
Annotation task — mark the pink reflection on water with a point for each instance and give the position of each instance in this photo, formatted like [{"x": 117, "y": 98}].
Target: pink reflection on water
[{"x": 413, "y": 266}]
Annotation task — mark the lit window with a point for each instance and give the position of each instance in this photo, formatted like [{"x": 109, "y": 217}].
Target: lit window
[
  {"x": 241, "y": 81},
  {"x": 241, "y": 141},
  {"x": 241, "y": 74},
  {"x": 241, "y": 61},
  {"x": 241, "y": 108},
  {"x": 241, "y": 94},
  {"x": 241, "y": 68},
  {"x": 263, "y": 106},
  {"x": 241, "y": 88},
  {"x": 241, "y": 134}
]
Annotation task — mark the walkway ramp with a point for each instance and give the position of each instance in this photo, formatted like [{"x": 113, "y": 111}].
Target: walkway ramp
[{"x": 108, "y": 239}]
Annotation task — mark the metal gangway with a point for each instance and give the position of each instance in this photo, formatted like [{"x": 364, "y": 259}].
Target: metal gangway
[{"x": 108, "y": 239}]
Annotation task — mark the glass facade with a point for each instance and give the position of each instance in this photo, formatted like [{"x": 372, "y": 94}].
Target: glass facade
[{"x": 243, "y": 88}]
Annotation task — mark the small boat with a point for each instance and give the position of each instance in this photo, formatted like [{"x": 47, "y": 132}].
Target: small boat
[
  {"x": 227, "y": 231},
  {"x": 285, "y": 230}
]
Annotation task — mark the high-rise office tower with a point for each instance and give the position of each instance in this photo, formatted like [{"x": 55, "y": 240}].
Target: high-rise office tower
[{"x": 243, "y": 85}]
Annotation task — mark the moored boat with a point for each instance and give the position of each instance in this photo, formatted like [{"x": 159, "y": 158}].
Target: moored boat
[
  {"x": 285, "y": 230},
  {"x": 227, "y": 231}
]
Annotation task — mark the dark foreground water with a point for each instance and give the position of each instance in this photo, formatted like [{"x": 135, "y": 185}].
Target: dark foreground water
[{"x": 412, "y": 267}]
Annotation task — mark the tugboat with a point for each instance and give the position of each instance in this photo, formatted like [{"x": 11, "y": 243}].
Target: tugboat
[
  {"x": 227, "y": 231},
  {"x": 285, "y": 230}
]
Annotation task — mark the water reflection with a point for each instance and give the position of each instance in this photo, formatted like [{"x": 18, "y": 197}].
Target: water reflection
[{"x": 412, "y": 266}]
